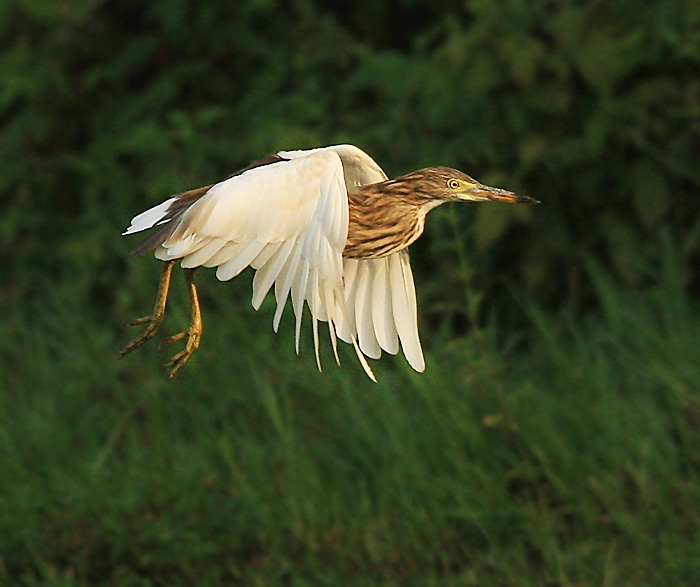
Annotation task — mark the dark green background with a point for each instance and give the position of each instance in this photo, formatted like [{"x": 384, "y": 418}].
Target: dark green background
[
  {"x": 592, "y": 107},
  {"x": 553, "y": 439}
]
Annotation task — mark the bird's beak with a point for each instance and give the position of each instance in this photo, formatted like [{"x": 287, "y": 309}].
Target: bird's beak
[{"x": 499, "y": 195}]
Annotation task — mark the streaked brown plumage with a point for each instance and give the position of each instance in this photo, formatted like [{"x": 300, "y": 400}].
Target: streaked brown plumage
[
  {"x": 383, "y": 219},
  {"x": 389, "y": 216}
]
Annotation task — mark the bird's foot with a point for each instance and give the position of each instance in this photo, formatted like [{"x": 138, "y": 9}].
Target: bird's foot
[
  {"x": 154, "y": 321},
  {"x": 193, "y": 335}
]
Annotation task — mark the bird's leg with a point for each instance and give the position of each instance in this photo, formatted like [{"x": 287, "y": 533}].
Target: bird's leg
[
  {"x": 156, "y": 318},
  {"x": 193, "y": 332}
]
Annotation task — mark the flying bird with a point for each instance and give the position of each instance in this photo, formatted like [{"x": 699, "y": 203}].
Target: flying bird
[{"x": 326, "y": 228}]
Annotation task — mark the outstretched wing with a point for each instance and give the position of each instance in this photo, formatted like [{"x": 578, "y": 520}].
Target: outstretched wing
[
  {"x": 287, "y": 219},
  {"x": 358, "y": 167},
  {"x": 380, "y": 298}
]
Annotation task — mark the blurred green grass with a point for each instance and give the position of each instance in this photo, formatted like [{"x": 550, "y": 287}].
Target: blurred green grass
[
  {"x": 553, "y": 439},
  {"x": 573, "y": 460}
]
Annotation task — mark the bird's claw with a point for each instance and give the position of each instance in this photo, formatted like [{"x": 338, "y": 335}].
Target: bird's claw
[
  {"x": 193, "y": 333},
  {"x": 154, "y": 323},
  {"x": 177, "y": 362},
  {"x": 141, "y": 320}
]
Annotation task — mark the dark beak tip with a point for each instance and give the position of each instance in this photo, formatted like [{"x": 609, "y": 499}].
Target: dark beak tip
[{"x": 527, "y": 200}]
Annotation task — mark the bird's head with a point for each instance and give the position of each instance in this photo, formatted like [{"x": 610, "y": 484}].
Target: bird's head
[{"x": 447, "y": 184}]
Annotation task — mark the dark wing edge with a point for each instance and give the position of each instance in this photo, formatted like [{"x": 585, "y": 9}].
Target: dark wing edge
[
  {"x": 184, "y": 201},
  {"x": 176, "y": 210}
]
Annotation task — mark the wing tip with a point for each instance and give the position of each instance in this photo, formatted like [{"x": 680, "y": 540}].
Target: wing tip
[{"x": 149, "y": 218}]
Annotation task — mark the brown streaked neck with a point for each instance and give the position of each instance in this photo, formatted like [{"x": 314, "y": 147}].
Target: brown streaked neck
[{"x": 386, "y": 217}]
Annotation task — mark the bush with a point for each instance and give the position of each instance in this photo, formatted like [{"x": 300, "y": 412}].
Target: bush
[{"x": 591, "y": 107}]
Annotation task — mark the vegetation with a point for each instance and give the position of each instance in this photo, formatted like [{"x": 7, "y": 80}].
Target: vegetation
[{"x": 554, "y": 438}]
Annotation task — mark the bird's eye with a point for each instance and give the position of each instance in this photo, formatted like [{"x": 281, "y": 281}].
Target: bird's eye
[{"x": 453, "y": 184}]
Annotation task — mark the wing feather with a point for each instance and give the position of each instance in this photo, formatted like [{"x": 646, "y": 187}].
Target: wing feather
[
  {"x": 382, "y": 314},
  {"x": 232, "y": 267},
  {"x": 363, "y": 312},
  {"x": 150, "y": 217},
  {"x": 202, "y": 255},
  {"x": 298, "y": 297},
  {"x": 348, "y": 329},
  {"x": 403, "y": 295},
  {"x": 265, "y": 255},
  {"x": 266, "y": 275},
  {"x": 381, "y": 307},
  {"x": 284, "y": 283},
  {"x": 288, "y": 219},
  {"x": 226, "y": 252},
  {"x": 312, "y": 298},
  {"x": 184, "y": 246}
]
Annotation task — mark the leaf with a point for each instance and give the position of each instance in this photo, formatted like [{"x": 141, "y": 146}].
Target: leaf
[{"x": 603, "y": 60}]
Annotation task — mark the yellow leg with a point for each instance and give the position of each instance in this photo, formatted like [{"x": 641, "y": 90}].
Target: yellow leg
[
  {"x": 156, "y": 319},
  {"x": 193, "y": 333}
]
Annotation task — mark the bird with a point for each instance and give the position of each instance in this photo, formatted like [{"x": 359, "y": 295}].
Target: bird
[{"x": 326, "y": 228}]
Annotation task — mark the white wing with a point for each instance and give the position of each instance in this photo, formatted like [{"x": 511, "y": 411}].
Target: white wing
[
  {"x": 380, "y": 294},
  {"x": 289, "y": 221},
  {"x": 358, "y": 167},
  {"x": 381, "y": 305}
]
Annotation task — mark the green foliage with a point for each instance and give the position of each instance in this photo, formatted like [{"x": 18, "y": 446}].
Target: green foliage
[
  {"x": 548, "y": 443},
  {"x": 591, "y": 107},
  {"x": 576, "y": 463}
]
